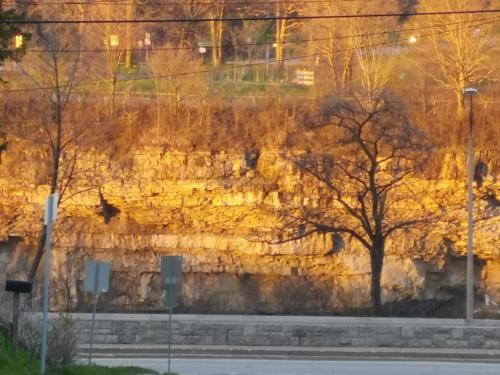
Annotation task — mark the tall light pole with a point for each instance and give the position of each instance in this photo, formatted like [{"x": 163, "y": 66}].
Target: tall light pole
[{"x": 470, "y": 92}]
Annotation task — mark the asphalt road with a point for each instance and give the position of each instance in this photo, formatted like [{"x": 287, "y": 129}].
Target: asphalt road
[{"x": 295, "y": 367}]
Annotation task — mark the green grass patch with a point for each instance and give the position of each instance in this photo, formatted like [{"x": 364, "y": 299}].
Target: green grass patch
[
  {"x": 16, "y": 362},
  {"x": 100, "y": 370},
  {"x": 230, "y": 88},
  {"x": 20, "y": 362}
]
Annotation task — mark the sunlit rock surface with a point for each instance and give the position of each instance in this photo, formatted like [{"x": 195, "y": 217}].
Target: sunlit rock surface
[{"x": 208, "y": 207}]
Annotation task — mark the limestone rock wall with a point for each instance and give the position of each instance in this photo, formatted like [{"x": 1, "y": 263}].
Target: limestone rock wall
[{"x": 207, "y": 206}]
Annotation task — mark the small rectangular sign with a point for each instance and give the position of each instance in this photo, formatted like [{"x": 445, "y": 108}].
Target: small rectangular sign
[
  {"x": 96, "y": 276},
  {"x": 171, "y": 267},
  {"x": 51, "y": 205}
]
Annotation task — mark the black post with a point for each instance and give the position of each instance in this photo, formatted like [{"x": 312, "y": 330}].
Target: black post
[{"x": 15, "y": 319}]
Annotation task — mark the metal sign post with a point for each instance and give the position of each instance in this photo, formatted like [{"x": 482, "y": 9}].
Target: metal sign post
[
  {"x": 171, "y": 270},
  {"x": 49, "y": 218},
  {"x": 96, "y": 281}
]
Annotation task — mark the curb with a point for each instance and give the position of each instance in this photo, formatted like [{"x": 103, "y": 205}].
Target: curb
[{"x": 292, "y": 353}]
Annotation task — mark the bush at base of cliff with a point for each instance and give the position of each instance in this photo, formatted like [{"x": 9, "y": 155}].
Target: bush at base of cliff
[{"x": 61, "y": 339}]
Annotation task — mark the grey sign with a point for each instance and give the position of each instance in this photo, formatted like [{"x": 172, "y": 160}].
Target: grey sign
[
  {"x": 172, "y": 292},
  {"x": 96, "y": 276},
  {"x": 171, "y": 268}
]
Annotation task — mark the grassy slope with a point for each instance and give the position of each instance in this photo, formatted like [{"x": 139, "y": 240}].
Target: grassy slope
[{"x": 19, "y": 362}]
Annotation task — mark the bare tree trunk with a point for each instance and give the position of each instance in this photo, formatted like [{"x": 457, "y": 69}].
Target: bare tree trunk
[
  {"x": 347, "y": 70},
  {"x": 128, "y": 41},
  {"x": 216, "y": 29},
  {"x": 377, "y": 262},
  {"x": 38, "y": 254},
  {"x": 113, "y": 95},
  {"x": 461, "y": 117},
  {"x": 280, "y": 38},
  {"x": 158, "y": 114},
  {"x": 219, "y": 38}
]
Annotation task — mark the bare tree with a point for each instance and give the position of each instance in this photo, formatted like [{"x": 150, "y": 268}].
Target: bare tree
[
  {"x": 252, "y": 33},
  {"x": 284, "y": 9},
  {"x": 111, "y": 43},
  {"x": 55, "y": 74},
  {"x": 167, "y": 67},
  {"x": 362, "y": 155},
  {"x": 354, "y": 49},
  {"x": 69, "y": 274},
  {"x": 216, "y": 12},
  {"x": 335, "y": 47},
  {"x": 458, "y": 47}
]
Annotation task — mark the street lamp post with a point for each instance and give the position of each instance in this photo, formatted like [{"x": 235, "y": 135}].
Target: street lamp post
[{"x": 470, "y": 92}]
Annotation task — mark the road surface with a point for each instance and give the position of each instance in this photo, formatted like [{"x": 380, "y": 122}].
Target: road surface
[{"x": 299, "y": 367}]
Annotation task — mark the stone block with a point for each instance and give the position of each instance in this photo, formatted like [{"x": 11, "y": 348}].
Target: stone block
[
  {"x": 395, "y": 331},
  {"x": 125, "y": 338},
  {"x": 414, "y": 343},
  {"x": 193, "y": 340},
  {"x": 476, "y": 341},
  {"x": 249, "y": 330},
  {"x": 457, "y": 333},
  {"x": 469, "y": 331},
  {"x": 425, "y": 343},
  {"x": 439, "y": 339},
  {"x": 345, "y": 340},
  {"x": 320, "y": 341},
  {"x": 277, "y": 339},
  {"x": 109, "y": 339},
  {"x": 84, "y": 338},
  {"x": 428, "y": 331},
  {"x": 452, "y": 344},
  {"x": 161, "y": 325},
  {"x": 176, "y": 340},
  {"x": 385, "y": 339},
  {"x": 102, "y": 324},
  {"x": 268, "y": 328},
  {"x": 369, "y": 341},
  {"x": 353, "y": 331},
  {"x": 491, "y": 344},
  {"x": 407, "y": 332}
]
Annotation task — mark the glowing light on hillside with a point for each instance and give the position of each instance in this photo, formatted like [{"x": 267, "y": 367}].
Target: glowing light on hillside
[
  {"x": 18, "y": 41},
  {"x": 412, "y": 39},
  {"x": 113, "y": 40}
]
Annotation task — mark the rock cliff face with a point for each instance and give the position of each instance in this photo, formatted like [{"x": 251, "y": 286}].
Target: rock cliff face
[{"x": 208, "y": 207}]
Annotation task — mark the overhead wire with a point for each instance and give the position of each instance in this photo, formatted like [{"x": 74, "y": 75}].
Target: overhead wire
[
  {"x": 176, "y": 3},
  {"x": 216, "y": 69},
  {"x": 191, "y": 48},
  {"x": 290, "y": 17}
]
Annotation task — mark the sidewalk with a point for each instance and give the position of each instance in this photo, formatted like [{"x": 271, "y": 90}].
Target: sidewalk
[{"x": 292, "y": 353}]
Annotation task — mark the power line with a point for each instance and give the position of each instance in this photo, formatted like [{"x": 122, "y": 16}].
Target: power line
[
  {"x": 212, "y": 70},
  {"x": 191, "y": 48},
  {"x": 174, "y": 3},
  {"x": 251, "y": 18}
]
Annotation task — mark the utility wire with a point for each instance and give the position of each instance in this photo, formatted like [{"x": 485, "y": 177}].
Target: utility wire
[
  {"x": 175, "y": 3},
  {"x": 191, "y": 48},
  {"x": 251, "y": 18},
  {"x": 212, "y": 70}
]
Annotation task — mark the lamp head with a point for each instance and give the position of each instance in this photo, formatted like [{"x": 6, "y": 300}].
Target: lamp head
[{"x": 470, "y": 91}]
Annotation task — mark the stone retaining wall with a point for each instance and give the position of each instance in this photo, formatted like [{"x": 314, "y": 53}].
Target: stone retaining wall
[{"x": 290, "y": 331}]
